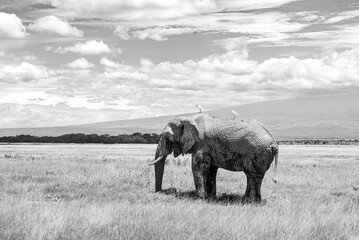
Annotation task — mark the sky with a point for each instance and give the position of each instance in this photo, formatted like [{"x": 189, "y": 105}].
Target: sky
[{"x": 66, "y": 62}]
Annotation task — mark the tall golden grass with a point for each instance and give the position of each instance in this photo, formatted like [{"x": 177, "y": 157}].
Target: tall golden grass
[{"x": 107, "y": 192}]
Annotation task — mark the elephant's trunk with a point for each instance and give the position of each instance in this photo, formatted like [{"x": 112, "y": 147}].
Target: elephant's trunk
[
  {"x": 159, "y": 170},
  {"x": 160, "y": 156}
]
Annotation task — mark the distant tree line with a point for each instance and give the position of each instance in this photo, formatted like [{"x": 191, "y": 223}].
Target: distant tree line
[
  {"x": 319, "y": 142},
  {"x": 85, "y": 138},
  {"x": 151, "y": 138}
]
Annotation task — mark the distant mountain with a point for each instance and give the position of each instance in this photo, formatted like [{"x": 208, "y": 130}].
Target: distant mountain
[{"x": 323, "y": 117}]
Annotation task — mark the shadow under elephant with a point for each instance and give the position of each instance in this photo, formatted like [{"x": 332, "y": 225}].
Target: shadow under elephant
[{"x": 222, "y": 199}]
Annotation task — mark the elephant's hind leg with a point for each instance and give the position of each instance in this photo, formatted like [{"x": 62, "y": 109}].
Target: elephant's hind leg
[
  {"x": 253, "y": 191},
  {"x": 211, "y": 182}
]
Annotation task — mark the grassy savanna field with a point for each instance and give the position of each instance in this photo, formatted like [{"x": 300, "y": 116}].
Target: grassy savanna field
[{"x": 69, "y": 191}]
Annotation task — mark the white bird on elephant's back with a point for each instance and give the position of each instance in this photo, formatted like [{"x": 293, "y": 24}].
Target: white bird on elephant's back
[
  {"x": 200, "y": 108},
  {"x": 234, "y": 113}
]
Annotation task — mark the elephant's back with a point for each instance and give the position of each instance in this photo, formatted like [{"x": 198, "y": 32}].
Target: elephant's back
[{"x": 243, "y": 134}]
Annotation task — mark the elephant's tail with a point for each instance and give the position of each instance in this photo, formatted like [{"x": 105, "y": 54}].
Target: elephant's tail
[{"x": 275, "y": 154}]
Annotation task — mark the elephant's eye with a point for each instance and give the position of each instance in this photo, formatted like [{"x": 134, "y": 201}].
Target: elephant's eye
[
  {"x": 169, "y": 144},
  {"x": 178, "y": 144}
]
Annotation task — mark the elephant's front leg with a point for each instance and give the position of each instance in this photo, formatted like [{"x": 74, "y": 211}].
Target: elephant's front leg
[{"x": 204, "y": 175}]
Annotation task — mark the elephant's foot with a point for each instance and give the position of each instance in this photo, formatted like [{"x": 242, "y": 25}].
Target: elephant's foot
[
  {"x": 211, "y": 191},
  {"x": 202, "y": 194},
  {"x": 211, "y": 196},
  {"x": 206, "y": 195},
  {"x": 251, "y": 200}
]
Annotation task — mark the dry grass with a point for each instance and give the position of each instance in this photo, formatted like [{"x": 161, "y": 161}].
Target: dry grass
[{"x": 106, "y": 192}]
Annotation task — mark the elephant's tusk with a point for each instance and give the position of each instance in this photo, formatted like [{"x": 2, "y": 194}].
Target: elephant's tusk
[{"x": 156, "y": 161}]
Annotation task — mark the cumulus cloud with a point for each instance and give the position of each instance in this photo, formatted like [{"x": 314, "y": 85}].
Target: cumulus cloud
[
  {"x": 120, "y": 71},
  {"x": 233, "y": 78},
  {"x": 108, "y": 63},
  {"x": 29, "y": 57},
  {"x": 55, "y": 25},
  {"x": 80, "y": 63},
  {"x": 88, "y": 48},
  {"x": 332, "y": 73},
  {"x": 118, "y": 74},
  {"x": 233, "y": 62},
  {"x": 123, "y": 31},
  {"x": 23, "y": 72},
  {"x": 11, "y": 26},
  {"x": 146, "y": 62},
  {"x": 229, "y": 44}
]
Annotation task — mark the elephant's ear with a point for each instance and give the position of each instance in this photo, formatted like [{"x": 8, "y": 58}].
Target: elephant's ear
[{"x": 190, "y": 135}]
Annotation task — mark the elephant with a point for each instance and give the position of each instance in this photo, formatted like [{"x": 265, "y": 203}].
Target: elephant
[{"x": 239, "y": 144}]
